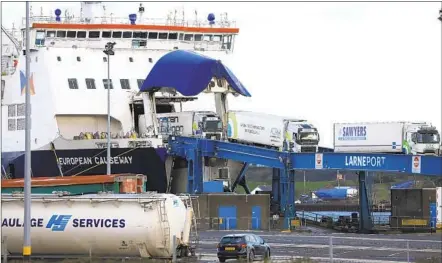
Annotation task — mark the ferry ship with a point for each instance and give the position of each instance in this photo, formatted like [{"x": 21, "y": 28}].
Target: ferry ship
[{"x": 68, "y": 86}]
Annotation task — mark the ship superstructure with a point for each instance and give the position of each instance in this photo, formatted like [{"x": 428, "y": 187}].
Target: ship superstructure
[{"x": 69, "y": 74}]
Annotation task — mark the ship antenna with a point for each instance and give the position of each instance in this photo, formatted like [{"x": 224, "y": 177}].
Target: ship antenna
[
  {"x": 184, "y": 19},
  {"x": 41, "y": 11},
  {"x": 174, "y": 18},
  {"x": 141, "y": 11},
  {"x": 196, "y": 18},
  {"x": 104, "y": 14},
  {"x": 31, "y": 14}
]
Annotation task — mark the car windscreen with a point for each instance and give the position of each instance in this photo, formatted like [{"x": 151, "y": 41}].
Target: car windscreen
[{"x": 231, "y": 240}]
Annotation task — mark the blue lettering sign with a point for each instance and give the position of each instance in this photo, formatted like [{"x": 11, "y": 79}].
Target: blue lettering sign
[
  {"x": 364, "y": 161},
  {"x": 108, "y": 223},
  {"x": 60, "y": 222},
  {"x": 353, "y": 133}
]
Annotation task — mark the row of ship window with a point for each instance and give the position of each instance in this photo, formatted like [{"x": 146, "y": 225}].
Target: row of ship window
[
  {"x": 130, "y": 34},
  {"x": 90, "y": 83}
]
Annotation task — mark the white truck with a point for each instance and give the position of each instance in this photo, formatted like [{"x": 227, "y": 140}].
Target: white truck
[
  {"x": 418, "y": 138},
  {"x": 272, "y": 131},
  {"x": 202, "y": 124}
]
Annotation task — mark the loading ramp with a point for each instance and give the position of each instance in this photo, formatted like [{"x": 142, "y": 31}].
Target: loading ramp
[{"x": 285, "y": 163}]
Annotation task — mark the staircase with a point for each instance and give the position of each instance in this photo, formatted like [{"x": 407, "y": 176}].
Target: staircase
[
  {"x": 12, "y": 38},
  {"x": 193, "y": 238},
  {"x": 164, "y": 224}
]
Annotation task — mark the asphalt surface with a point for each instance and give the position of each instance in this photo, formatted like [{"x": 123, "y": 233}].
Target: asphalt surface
[{"x": 374, "y": 248}]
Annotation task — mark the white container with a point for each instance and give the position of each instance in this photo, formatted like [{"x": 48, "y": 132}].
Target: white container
[
  {"x": 368, "y": 137},
  {"x": 263, "y": 129},
  {"x": 103, "y": 225},
  {"x": 185, "y": 123},
  {"x": 256, "y": 128}
]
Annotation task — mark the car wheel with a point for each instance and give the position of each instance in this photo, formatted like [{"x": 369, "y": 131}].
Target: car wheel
[
  {"x": 251, "y": 256},
  {"x": 222, "y": 259},
  {"x": 267, "y": 254}
]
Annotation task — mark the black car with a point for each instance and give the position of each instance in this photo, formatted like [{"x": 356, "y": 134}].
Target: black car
[{"x": 247, "y": 246}]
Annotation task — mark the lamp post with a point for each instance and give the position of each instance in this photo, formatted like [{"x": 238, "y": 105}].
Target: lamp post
[
  {"x": 109, "y": 51},
  {"x": 27, "y": 175}
]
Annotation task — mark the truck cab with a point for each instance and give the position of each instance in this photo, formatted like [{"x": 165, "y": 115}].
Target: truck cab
[
  {"x": 209, "y": 125},
  {"x": 201, "y": 124},
  {"x": 421, "y": 139},
  {"x": 302, "y": 136}
]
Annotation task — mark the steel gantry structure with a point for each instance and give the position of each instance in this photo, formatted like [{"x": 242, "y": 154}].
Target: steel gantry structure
[
  {"x": 285, "y": 163},
  {"x": 190, "y": 74}
]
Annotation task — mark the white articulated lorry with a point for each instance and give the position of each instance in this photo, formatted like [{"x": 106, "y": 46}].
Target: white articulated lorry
[
  {"x": 202, "y": 124},
  {"x": 103, "y": 225},
  {"x": 418, "y": 138},
  {"x": 267, "y": 130}
]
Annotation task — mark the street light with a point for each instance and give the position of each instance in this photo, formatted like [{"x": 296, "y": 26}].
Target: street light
[
  {"x": 27, "y": 175},
  {"x": 109, "y": 51}
]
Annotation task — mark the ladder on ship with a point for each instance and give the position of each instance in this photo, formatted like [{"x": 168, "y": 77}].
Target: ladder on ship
[
  {"x": 193, "y": 238},
  {"x": 164, "y": 221}
]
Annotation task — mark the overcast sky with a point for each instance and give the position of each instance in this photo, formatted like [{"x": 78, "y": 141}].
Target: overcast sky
[{"x": 326, "y": 62}]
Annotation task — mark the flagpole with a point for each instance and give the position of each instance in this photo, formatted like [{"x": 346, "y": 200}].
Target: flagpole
[{"x": 27, "y": 175}]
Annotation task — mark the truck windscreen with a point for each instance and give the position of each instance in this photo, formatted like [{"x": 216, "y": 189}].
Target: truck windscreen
[
  {"x": 212, "y": 126},
  {"x": 427, "y": 137},
  {"x": 308, "y": 137}
]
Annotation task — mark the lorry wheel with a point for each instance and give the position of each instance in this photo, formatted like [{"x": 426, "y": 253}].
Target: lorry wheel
[{"x": 222, "y": 259}]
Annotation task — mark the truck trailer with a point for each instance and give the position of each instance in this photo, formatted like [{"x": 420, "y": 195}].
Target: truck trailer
[
  {"x": 104, "y": 225},
  {"x": 417, "y": 138},
  {"x": 201, "y": 124},
  {"x": 272, "y": 131}
]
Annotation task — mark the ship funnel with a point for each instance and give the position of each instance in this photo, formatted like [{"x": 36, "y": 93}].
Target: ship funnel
[{"x": 92, "y": 12}]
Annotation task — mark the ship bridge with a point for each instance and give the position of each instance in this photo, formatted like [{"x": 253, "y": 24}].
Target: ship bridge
[{"x": 190, "y": 74}]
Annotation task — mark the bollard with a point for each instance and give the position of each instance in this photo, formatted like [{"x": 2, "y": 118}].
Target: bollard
[
  {"x": 408, "y": 251},
  {"x": 174, "y": 249},
  {"x": 331, "y": 249}
]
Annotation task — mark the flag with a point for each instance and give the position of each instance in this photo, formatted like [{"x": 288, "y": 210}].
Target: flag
[{"x": 23, "y": 83}]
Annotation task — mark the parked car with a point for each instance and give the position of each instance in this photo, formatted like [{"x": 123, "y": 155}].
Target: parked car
[{"x": 247, "y": 246}]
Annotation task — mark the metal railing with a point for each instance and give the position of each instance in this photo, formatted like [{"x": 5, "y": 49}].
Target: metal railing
[
  {"x": 290, "y": 247},
  {"x": 320, "y": 247},
  {"x": 223, "y": 23},
  {"x": 380, "y": 223}
]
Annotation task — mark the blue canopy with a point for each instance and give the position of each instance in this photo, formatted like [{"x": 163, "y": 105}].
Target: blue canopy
[{"x": 189, "y": 73}]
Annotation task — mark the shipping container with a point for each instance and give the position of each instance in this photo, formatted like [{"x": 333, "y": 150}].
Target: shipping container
[
  {"x": 386, "y": 137},
  {"x": 272, "y": 131},
  {"x": 410, "y": 208},
  {"x": 336, "y": 193},
  {"x": 202, "y": 124}
]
